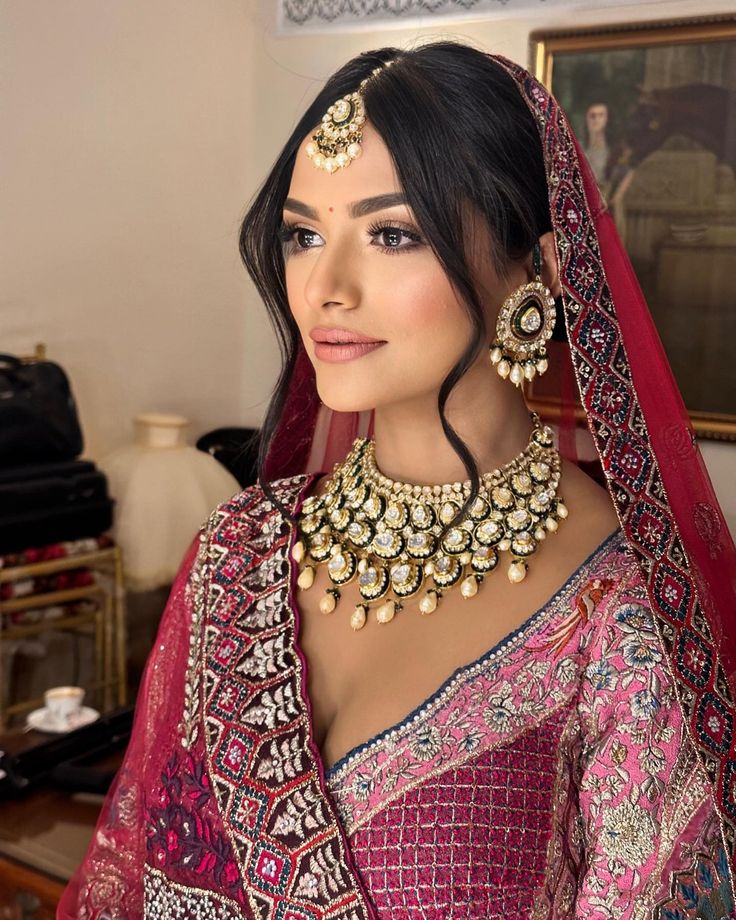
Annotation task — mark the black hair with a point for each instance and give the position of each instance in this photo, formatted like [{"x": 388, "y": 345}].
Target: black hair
[{"x": 459, "y": 133}]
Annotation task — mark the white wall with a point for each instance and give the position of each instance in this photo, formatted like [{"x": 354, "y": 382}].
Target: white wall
[
  {"x": 127, "y": 130},
  {"x": 134, "y": 132}
]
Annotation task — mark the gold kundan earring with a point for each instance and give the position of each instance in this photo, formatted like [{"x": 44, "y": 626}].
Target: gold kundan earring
[
  {"x": 525, "y": 323},
  {"x": 337, "y": 141}
]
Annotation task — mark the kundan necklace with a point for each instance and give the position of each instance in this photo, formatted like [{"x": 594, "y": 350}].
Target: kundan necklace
[{"x": 395, "y": 537}]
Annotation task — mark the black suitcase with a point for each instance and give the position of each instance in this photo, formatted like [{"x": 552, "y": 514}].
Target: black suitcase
[{"x": 46, "y": 503}]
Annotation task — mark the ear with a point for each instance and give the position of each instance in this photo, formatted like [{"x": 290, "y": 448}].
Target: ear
[{"x": 550, "y": 268}]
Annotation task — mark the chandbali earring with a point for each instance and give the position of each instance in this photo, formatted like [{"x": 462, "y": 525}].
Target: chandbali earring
[{"x": 525, "y": 323}]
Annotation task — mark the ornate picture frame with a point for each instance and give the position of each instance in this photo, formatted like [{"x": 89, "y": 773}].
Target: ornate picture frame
[{"x": 654, "y": 108}]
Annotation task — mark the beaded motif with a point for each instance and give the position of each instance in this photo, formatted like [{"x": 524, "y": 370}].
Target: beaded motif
[
  {"x": 619, "y": 431},
  {"x": 164, "y": 899}
]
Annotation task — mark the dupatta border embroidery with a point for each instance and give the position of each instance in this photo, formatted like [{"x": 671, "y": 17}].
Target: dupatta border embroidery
[
  {"x": 618, "y": 426},
  {"x": 264, "y": 767}
]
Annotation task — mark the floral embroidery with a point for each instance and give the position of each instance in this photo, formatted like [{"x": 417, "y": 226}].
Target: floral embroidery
[
  {"x": 362, "y": 786},
  {"x": 601, "y": 675},
  {"x": 505, "y": 692},
  {"x": 603, "y": 809},
  {"x": 628, "y": 834},
  {"x": 427, "y": 742},
  {"x": 644, "y": 704},
  {"x": 501, "y": 714},
  {"x": 634, "y": 735},
  {"x": 180, "y": 834},
  {"x": 638, "y": 654}
]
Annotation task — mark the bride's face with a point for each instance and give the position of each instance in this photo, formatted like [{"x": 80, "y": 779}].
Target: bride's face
[{"x": 378, "y": 317}]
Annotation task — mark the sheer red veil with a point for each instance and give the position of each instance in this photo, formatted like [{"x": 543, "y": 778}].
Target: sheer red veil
[{"x": 642, "y": 435}]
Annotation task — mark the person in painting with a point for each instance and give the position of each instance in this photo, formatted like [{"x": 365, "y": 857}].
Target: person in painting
[
  {"x": 428, "y": 667},
  {"x": 596, "y": 148},
  {"x": 611, "y": 167}
]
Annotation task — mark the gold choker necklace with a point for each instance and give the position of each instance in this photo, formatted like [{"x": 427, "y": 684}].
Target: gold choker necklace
[{"x": 394, "y": 535}]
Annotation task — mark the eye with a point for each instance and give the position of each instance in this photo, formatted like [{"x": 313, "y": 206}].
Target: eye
[
  {"x": 387, "y": 235},
  {"x": 298, "y": 239},
  {"x": 392, "y": 237}
]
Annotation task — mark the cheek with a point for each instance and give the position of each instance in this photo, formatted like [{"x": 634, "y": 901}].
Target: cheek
[
  {"x": 404, "y": 299},
  {"x": 423, "y": 311},
  {"x": 294, "y": 280}
]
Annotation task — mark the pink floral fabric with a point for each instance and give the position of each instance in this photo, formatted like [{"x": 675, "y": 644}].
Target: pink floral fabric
[{"x": 554, "y": 777}]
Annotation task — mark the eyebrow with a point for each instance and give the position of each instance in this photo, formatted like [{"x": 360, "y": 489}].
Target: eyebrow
[{"x": 355, "y": 209}]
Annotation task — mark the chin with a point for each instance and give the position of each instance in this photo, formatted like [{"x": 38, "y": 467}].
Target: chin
[
  {"x": 346, "y": 392},
  {"x": 345, "y": 402}
]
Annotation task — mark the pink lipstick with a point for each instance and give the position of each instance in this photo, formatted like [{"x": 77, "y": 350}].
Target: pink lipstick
[{"x": 334, "y": 344}]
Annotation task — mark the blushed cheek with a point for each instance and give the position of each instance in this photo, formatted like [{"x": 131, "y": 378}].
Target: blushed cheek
[
  {"x": 426, "y": 315},
  {"x": 295, "y": 282}
]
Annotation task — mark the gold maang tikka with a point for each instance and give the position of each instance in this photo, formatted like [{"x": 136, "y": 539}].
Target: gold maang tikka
[{"x": 337, "y": 141}]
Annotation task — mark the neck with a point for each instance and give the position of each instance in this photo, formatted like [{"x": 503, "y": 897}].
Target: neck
[{"x": 488, "y": 414}]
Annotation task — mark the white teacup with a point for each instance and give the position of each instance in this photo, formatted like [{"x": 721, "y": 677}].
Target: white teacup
[{"x": 62, "y": 703}]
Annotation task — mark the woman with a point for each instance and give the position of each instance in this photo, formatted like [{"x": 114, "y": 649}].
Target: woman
[
  {"x": 596, "y": 148},
  {"x": 578, "y": 761}
]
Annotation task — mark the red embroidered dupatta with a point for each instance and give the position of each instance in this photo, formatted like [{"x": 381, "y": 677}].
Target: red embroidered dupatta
[{"x": 669, "y": 515}]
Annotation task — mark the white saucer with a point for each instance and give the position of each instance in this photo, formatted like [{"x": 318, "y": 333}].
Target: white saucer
[{"x": 41, "y": 720}]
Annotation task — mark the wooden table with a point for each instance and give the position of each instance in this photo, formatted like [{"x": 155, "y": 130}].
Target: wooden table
[{"x": 43, "y": 838}]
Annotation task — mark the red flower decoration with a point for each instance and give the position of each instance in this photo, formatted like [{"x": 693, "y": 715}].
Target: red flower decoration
[
  {"x": 206, "y": 863},
  {"x": 231, "y": 872}
]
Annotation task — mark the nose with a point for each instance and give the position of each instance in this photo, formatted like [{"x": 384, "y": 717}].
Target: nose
[{"x": 334, "y": 278}]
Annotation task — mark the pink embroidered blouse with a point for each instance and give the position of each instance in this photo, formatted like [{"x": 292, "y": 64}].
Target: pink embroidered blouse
[{"x": 554, "y": 777}]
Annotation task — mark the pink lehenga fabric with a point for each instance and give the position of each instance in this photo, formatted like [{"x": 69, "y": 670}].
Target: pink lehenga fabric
[{"x": 551, "y": 778}]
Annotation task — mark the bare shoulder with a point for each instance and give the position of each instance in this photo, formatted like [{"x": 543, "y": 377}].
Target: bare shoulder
[{"x": 590, "y": 504}]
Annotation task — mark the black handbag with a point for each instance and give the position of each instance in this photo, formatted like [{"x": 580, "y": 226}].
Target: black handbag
[{"x": 38, "y": 415}]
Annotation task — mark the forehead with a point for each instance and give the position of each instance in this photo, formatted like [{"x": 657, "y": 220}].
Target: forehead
[{"x": 372, "y": 173}]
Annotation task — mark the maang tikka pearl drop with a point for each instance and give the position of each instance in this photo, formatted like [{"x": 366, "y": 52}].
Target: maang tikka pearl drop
[
  {"x": 337, "y": 141},
  {"x": 524, "y": 325},
  {"x": 396, "y": 540}
]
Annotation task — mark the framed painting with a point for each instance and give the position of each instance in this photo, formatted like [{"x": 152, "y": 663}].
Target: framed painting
[{"x": 654, "y": 108}]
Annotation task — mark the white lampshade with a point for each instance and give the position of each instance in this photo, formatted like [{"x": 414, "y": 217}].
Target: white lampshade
[{"x": 164, "y": 490}]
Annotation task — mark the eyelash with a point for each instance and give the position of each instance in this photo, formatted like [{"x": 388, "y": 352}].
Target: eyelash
[{"x": 288, "y": 231}]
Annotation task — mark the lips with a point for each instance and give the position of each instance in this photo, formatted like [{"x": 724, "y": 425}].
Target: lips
[
  {"x": 335, "y": 345},
  {"x": 339, "y": 336}
]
